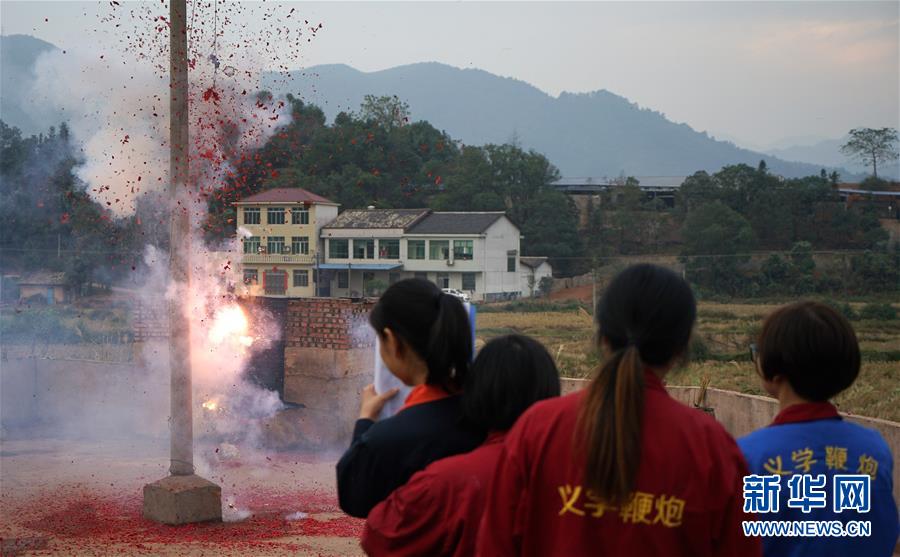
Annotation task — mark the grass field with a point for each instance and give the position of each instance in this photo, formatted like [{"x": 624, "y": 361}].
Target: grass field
[{"x": 720, "y": 350}]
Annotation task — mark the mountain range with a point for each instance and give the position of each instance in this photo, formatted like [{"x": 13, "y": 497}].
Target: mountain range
[{"x": 583, "y": 134}]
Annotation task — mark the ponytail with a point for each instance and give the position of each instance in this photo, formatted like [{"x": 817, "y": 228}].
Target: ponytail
[
  {"x": 449, "y": 344},
  {"x": 645, "y": 317},
  {"x": 433, "y": 324},
  {"x": 609, "y": 426}
]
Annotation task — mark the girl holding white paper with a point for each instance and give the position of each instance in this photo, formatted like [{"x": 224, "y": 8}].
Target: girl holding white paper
[{"x": 425, "y": 341}]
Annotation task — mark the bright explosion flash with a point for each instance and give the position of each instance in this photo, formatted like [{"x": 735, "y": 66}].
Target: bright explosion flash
[
  {"x": 230, "y": 325},
  {"x": 210, "y": 405}
]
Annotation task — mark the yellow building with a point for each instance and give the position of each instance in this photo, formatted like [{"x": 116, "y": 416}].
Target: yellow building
[{"x": 279, "y": 231}]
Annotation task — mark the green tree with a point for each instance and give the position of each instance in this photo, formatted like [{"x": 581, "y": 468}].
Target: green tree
[
  {"x": 717, "y": 241},
  {"x": 871, "y": 146},
  {"x": 545, "y": 285},
  {"x": 387, "y": 112}
]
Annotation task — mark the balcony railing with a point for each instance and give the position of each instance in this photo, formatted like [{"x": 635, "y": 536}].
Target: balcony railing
[{"x": 266, "y": 258}]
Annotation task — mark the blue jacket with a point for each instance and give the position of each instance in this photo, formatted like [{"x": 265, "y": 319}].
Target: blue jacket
[{"x": 812, "y": 439}]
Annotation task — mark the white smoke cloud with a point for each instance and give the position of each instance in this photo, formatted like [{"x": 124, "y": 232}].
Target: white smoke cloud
[{"x": 117, "y": 109}]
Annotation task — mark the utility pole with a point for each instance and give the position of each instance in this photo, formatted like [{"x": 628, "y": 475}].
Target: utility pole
[
  {"x": 182, "y": 440},
  {"x": 182, "y": 497}
]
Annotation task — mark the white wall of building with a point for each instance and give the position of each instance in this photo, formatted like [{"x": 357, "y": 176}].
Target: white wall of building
[
  {"x": 501, "y": 239},
  {"x": 530, "y": 288},
  {"x": 489, "y": 263}
]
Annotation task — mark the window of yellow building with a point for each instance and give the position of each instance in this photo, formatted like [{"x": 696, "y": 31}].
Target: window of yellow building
[
  {"x": 251, "y": 215},
  {"x": 251, "y": 244},
  {"x": 300, "y": 245},
  {"x": 275, "y": 215},
  {"x": 300, "y": 215},
  {"x": 275, "y": 244}
]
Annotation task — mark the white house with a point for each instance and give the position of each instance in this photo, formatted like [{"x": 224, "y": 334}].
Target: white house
[
  {"x": 534, "y": 269},
  {"x": 367, "y": 250}
]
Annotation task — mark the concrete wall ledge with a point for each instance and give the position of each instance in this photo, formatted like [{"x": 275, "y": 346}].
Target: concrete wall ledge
[{"x": 741, "y": 414}]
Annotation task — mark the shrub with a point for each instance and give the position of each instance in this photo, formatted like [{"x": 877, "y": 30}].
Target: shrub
[
  {"x": 699, "y": 351},
  {"x": 844, "y": 309},
  {"x": 879, "y": 312}
]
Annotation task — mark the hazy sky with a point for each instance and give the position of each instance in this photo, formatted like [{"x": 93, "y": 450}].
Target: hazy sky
[{"x": 758, "y": 73}]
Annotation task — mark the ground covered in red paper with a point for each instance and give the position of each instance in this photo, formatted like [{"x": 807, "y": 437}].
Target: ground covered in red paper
[{"x": 61, "y": 505}]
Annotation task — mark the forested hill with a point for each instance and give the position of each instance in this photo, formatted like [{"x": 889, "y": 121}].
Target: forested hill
[{"x": 591, "y": 134}]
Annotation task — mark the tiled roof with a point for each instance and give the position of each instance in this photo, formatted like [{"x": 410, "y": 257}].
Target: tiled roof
[
  {"x": 286, "y": 195},
  {"x": 456, "y": 223},
  {"x": 378, "y": 218},
  {"x": 533, "y": 262}
]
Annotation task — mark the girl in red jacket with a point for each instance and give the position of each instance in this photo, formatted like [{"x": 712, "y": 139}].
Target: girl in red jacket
[
  {"x": 622, "y": 468},
  {"x": 439, "y": 510}
]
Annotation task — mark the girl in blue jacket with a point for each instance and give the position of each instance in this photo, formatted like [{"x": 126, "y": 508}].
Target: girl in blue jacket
[{"x": 806, "y": 354}]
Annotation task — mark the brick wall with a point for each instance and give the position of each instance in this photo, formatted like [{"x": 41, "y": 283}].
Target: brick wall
[{"x": 334, "y": 323}]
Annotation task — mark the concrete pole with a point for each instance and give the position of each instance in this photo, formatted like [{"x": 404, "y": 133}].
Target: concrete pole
[
  {"x": 182, "y": 497},
  {"x": 182, "y": 440}
]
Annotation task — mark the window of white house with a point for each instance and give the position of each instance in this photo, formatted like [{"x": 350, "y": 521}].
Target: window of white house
[
  {"x": 363, "y": 249},
  {"x": 415, "y": 249},
  {"x": 275, "y": 244},
  {"x": 275, "y": 215},
  {"x": 420, "y": 275},
  {"x": 251, "y": 215},
  {"x": 388, "y": 249},
  {"x": 338, "y": 249},
  {"x": 343, "y": 279},
  {"x": 300, "y": 215},
  {"x": 468, "y": 281},
  {"x": 251, "y": 276},
  {"x": 301, "y": 278},
  {"x": 439, "y": 249},
  {"x": 251, "y": 244},
  {"x": 275, "y": 282},
  {"x": 463, "y": 249},
  {"x": 300, "y": 245},
  {"x": 443, "y": 280},
  {"x": 511, "y": 257}
]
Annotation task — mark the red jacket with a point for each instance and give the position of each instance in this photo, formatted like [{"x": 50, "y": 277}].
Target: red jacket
[
  {"x": 439, "y": 510},
  {"x": 688, "y": 499}
]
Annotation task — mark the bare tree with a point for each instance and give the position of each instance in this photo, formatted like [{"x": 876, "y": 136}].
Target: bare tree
[{"x": 872, "y": 146}]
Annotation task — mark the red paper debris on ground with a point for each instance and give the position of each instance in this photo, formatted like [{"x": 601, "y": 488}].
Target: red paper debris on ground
[{"x": 80, "y": 516}]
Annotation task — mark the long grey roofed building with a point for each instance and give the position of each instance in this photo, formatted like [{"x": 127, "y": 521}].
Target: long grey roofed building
[{"x": 590, "y": 185}]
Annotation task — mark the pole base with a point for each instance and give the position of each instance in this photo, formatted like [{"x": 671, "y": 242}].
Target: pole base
[{"x": 183, "y": 500}]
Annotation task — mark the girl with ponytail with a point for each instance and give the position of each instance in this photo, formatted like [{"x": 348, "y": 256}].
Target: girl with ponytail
[
  {"x": 622, "y": 468},
  {"x": 425, "y": 340}
]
